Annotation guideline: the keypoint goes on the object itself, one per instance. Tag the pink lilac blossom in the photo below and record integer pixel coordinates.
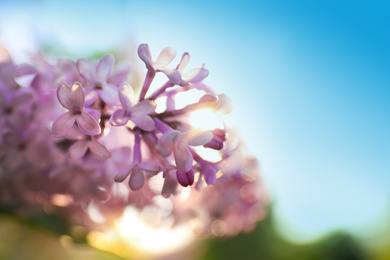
(93, 132)
(138, 113)
(97, 80)
(72, 98)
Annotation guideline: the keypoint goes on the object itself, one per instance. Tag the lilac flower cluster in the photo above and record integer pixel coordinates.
(73, 132)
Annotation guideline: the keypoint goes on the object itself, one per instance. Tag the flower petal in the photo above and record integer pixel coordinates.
(98, 149)
(88, 124)
(126, 95)
(75, 133)
(145, 56)
(90, 97)
(87, 69)
(173, 75)
(137, 179)
(150, 169)
(118, 118)
(124, 173)
(164, 145)
(144, 122)
(165, 57)
(94, 113)
(109, 94)
(144, 107)
(120, 74)
(210, 173)
(197, 137)
(170, 184)
(185, 59)
(62, 124)
(78, 149)
(183, 157)
(196, 75)
(104, 67)
(71, 98)
(216, 143)
(224, 104)
(24, 69)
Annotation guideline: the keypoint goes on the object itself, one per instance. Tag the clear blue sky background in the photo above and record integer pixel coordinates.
(310, 83)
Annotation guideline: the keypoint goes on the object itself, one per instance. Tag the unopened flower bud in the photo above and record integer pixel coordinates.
(185, 178)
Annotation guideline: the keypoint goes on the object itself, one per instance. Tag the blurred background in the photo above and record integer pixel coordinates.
(310, 88)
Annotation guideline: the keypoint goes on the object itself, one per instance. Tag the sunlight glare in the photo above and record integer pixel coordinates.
(210, 155)
(206, 119)
(142, 236)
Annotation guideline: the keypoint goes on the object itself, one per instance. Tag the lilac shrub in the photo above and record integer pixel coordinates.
(76, 139)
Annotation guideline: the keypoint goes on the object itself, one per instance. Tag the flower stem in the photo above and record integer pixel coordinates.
(188, 108)
(163, 127)
(148, 80)
(161, 90)
(137, 156)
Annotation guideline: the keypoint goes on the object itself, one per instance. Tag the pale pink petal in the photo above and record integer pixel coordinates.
(137, 179)
(170, 184)
(104, 67)
(118, 118)
(183, 157)
(66, 64)
(164, 145)
(75, 133)
(88, 124)
(216, 143)
(144, 107)
(150, 169)
(124, 173)
(145, 56)
(71, 97)
(94, 113)
(98, 149)
(62, 124)
(224, 104)
(90, 97)
(165, 57)
(185, 59)
(24, 69)
(208, 98)
(209, 173)
(204, 87)
(68, 69)
(195, 75)
(120, 74)
(87, 69)
(109, 94)
(173, 75)
(78, 149)
(126, 95)
(144, 122)
(197, 137)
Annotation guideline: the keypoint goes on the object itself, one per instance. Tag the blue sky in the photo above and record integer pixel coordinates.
(309, 80)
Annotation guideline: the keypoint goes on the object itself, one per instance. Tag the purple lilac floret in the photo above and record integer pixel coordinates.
(103, 133)
(72, 98)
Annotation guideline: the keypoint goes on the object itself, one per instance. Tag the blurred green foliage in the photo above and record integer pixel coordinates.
(45, 236)
(266, 244)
